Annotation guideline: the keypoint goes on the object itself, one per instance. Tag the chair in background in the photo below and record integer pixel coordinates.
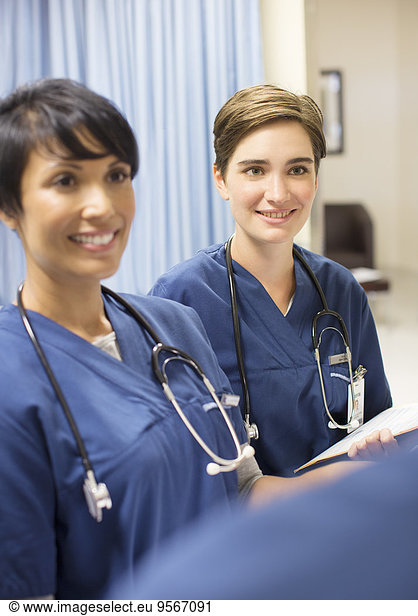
(348, 233)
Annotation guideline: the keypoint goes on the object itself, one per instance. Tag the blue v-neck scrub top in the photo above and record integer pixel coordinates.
(286, 399)
(154, 469)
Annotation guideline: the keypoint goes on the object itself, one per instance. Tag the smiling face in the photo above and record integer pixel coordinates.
(76, 216)
(270, 183)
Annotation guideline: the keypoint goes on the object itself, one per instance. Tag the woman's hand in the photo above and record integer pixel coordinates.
(378, 443)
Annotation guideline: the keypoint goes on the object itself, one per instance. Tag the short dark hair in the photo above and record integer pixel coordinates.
(255, 106)
(51, 112)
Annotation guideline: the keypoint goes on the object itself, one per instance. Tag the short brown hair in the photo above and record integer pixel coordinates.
(252, 107)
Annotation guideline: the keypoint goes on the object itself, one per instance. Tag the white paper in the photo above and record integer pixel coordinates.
(398, 419)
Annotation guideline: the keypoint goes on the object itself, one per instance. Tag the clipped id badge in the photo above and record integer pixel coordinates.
(358, 410)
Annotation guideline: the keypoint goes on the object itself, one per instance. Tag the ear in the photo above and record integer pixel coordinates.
(8, 220)
(220, 183)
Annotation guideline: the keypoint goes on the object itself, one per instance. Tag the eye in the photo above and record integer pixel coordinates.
(300, 170)
(254, 171)
(118, 176)
(64, 180)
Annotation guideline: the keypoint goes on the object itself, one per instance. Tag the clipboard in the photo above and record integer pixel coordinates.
(399, 419)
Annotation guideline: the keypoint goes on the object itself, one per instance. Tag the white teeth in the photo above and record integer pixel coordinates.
(275, 214)
(98, 240)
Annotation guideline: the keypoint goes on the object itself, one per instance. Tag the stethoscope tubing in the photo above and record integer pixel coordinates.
(237, 332)
(219, 464)
(58, 391)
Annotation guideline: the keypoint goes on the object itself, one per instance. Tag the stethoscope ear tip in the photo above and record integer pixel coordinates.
(213, 469)
(248, 451)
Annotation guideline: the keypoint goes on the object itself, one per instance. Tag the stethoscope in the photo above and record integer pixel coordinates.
(252, 429)
(97, 494)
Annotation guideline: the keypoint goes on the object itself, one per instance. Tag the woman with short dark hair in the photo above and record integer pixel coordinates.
(82, 416)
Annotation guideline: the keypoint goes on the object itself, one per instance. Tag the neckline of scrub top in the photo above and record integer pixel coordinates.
(270, 323)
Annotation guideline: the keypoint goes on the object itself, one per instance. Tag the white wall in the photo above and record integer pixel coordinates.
(283, 30)
(408, 168)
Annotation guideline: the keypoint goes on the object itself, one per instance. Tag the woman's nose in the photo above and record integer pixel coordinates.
(277, 190)
(97, 202)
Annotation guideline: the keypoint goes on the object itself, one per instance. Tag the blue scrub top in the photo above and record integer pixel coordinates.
(282, 375)
(154, 469)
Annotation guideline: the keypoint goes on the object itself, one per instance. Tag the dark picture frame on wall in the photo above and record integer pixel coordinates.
(331, 89)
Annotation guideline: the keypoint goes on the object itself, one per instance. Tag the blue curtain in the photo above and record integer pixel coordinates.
(169, 65)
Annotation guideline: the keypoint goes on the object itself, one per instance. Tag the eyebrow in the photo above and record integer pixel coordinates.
(262, 161)
(252, 161)
(64, 162)
(302, 159)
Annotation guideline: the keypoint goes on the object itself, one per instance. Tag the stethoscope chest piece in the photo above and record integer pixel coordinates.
(97, 496)
(252, 431)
